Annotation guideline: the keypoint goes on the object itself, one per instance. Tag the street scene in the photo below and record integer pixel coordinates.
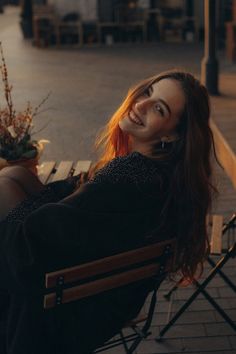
(83, 84)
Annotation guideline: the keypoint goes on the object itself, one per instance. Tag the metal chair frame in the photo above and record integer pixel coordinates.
(230, 252)
(139, 333)
(152, 262)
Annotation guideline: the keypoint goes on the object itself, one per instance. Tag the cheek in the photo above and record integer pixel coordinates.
(155, 125)
(162, 125)
(123, 123)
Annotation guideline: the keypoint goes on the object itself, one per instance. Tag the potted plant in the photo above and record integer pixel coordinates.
(16, 144)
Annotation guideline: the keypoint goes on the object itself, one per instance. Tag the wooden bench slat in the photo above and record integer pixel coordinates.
(63, 170)
(44, 170)
(82, 166)
(98, 286)
(106, 264)
(216, 234)
(224, 153)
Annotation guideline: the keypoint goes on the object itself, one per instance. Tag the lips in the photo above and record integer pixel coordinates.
(135, 118)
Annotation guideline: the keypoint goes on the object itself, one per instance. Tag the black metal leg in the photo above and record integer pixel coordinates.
(230, 224)
(124, 343)
(222, 274)
(217, 307)
(167, 296)
(178, 314)
(116, 342)
(134, 345)
(214, 271)
(144, 332)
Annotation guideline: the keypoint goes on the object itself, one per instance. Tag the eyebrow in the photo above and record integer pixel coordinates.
(162, 101)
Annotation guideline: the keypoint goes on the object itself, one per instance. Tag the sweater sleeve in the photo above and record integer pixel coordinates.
(60, 235)
(39, 244)
(97, 220)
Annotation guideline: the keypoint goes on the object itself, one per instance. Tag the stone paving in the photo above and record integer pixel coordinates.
(86, 86)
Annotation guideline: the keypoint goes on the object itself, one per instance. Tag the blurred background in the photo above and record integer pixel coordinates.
(87, 53)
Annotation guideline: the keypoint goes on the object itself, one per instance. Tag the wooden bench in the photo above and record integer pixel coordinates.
(50, 171)
(215, 227)
(225, 154)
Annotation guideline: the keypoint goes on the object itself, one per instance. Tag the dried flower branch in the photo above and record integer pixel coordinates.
(16, 128)
(36, 110)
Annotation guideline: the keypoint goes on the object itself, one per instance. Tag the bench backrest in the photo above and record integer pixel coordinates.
(49, 171)
(74, 283)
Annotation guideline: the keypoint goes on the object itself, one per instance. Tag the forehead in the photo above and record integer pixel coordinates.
(171, 92)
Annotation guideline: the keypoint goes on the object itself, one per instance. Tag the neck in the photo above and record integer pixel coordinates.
(143, 148)
(147, 151)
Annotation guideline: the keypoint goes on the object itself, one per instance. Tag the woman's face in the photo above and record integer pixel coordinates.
(154, 116)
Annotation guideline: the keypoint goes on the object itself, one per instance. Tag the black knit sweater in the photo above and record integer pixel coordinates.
(116, 211)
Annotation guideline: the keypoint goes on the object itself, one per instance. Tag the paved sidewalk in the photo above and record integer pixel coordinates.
(87, 86)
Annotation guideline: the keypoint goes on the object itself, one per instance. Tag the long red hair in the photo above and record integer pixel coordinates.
(112, 141)
(191, 188)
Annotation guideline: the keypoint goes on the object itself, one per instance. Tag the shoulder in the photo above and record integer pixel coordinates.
(133, 168)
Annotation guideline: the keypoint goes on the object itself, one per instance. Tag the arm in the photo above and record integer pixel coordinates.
(98, 220)
(61, 235)
(29, 249)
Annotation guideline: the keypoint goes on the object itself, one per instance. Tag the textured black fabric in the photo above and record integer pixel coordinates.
(114, 212)
(53, 192)
(134, 168)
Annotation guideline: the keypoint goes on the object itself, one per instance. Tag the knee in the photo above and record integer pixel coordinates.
(10, 195)
(19, 174)
(13, 171)
(24, 178)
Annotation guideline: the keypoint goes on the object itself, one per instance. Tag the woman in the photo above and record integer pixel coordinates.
(151, 183)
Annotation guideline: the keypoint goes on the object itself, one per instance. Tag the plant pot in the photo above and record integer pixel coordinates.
(30, 163)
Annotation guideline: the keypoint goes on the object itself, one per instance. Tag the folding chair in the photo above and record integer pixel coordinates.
(151, 262)
(45, 25)
(229, 252)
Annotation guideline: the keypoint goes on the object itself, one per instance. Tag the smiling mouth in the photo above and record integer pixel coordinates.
(134, 118)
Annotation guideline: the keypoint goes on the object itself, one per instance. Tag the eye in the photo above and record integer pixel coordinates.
(146, 92)
(158, 108)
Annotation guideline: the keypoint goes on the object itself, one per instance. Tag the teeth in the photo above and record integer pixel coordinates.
(135, 118)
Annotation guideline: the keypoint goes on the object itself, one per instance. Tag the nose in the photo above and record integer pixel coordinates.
(142, 105)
